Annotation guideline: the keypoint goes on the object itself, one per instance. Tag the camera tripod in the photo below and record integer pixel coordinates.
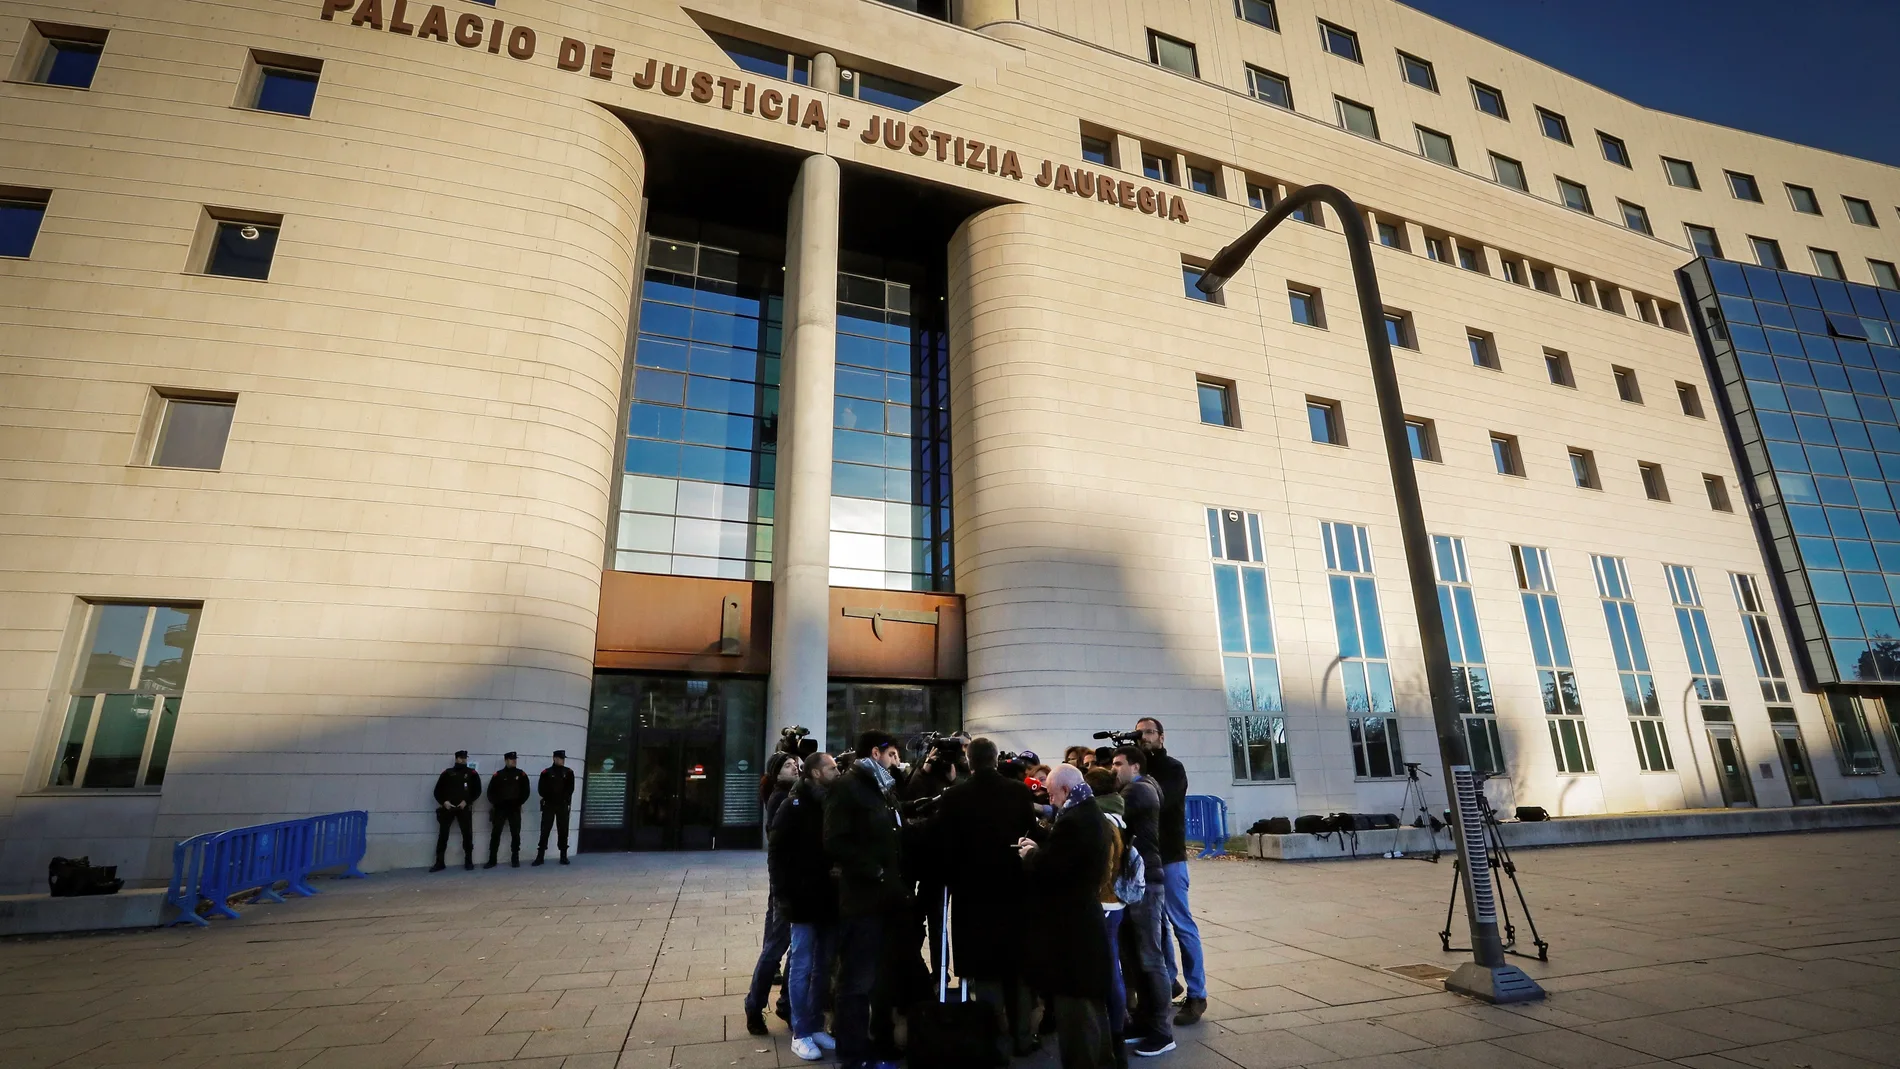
(1499, 857)
(1413, 804)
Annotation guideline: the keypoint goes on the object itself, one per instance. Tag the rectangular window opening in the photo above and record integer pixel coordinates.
(1718, 493)
(1626, 387)
(1557, 366)
(1339, 41)
(122, 708)
(281, 83)
(1259, 12)
(1654, 486)
(1583, 469)
(1273, 88)
(1743, 187)
(1357, 118)
(239, 244)
(1505, 454)
(1484, 348)
(190, 429)
(1614, 149)
(1803, 200)
(1436, 146)
(1422, 436)
(1489, 100)
(1306, 306)
(1681, 173)
(1418, 71)
(1554, 126)
(1216, 396)
(1324, 421)
(1691, 400)
(22, 211)
(56, 54)
(1173, 53)
(1509, 172)
(1398, 329)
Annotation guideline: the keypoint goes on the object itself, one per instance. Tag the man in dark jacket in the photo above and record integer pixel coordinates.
(507, 793)
(1152, 1029)
(556, 789)
(1065, 875)
(863, 837)
(978, 823)
(806, 897)
(1173, 780)
(456, 789)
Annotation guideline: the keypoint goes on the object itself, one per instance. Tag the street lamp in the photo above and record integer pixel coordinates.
(1488, 976)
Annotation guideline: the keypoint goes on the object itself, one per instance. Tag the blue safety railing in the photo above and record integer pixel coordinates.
(212, 867)
(1207, 824)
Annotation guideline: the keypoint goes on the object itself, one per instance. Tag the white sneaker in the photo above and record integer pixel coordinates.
(824, 1041)
(805, 1048)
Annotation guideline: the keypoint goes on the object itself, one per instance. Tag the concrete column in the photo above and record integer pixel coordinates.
(801, 540)
(824, 72)
(972, 14)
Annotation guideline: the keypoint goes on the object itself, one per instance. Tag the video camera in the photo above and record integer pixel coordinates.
(937, 744)
(1120, 738)
(796, 741)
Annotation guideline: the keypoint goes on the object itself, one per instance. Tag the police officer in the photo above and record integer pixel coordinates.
(507, 793)
(556, 789)
(455, 790)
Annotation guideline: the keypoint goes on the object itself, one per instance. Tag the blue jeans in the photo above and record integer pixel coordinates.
(778, 938)
(1185, 932)
(1117, 993)
(1150, 918)
(807, 974)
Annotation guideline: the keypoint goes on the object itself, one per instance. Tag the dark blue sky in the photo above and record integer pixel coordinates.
(1817, 72)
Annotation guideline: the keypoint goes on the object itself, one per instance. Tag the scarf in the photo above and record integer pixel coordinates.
(1077, 795)
(879, 773)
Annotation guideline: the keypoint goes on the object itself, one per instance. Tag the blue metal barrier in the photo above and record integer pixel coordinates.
(1207, 823)
(212, 867)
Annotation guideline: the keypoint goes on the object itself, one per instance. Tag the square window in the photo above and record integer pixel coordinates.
(1557, 366)
(1258, 12)
(191, 431)
(1435, 249)
(1646, 308)
(1339, 41)
(1509, 172)
(1357, 118)
(21, 213)
(1190, 275)
(1583, 291)
(1204, 180)
(1767, 252)
(1743, 186)
(1505, 455)
(1583, 469)
(1884, 273)
(1681, 173)
(1513, 273)
(1614, 149)
(1718, 493)
(1555, 126)
(240, 247)
(1158, 168)
(283, 84)
(1422, 437)
(1635, 216)
(1471, 259)
(1098, 150)
(1173, 53)
(1217, 403)
(1541, 280)
(1703, 240)
(1690, 399)
(1322, 419)
(1418, 71)
(1436, 146)
(1306, 306)
(1654, 487)
(1828, 264)
(65, 56)
(123, 704)
(1803, 200)
(1489, 100)
(1270, 87)
(1309, 213)
(1259, 197)
(1626, 387)
(1859, 211)
(1484, 348)
(1391, 235)
(1574, 196)
(1398, 330)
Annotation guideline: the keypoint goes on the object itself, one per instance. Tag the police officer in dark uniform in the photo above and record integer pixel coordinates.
(507, 793)
(455, 790)
(556, 789)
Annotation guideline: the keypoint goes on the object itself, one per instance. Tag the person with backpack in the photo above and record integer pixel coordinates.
(1152, 1030)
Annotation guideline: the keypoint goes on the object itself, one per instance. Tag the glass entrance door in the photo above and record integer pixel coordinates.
(1794, 765)
(1731, 770)
(675, 803)
(673, 762)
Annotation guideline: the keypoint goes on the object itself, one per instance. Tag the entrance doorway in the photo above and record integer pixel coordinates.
(1731, 770)
(675, 802)
(673, 762)
(1802, 787)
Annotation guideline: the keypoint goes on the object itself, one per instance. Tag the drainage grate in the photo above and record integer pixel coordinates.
(1424, 974)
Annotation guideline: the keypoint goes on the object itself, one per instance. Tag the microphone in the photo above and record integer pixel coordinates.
(1103, 735)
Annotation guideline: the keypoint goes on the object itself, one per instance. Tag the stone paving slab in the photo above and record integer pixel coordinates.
(1778, 952)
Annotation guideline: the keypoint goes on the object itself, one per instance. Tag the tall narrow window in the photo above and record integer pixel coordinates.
(1489, 100)
(1365, 676)
(1681, 173)
(1505, 455)
(1418, 71)
(1422, 438)
(1761, 639)
(1256, 729)
(1509, 172)
(1435, 249)
(1803, 200)
(1550, 648)
(1743, 186)
(1693, 623)
(1768, 253)
(1258, 12)
(1853, 739)
(1718, 493)
(1654, 487)
(1703, 240)
(1827, 264)
(1632, 665)
(1614, 149)
(123, 705)
(1323, 421)
(1690, 400)
(1484, 348)
(1259, 196)
(1398, 330)
(1470, 679)
(1270, 87)
(1554, 126)
(1357, 118)
(1583, 469)
(1557, 367)
(1339, 40)
(1173, 53)
(1626, 388)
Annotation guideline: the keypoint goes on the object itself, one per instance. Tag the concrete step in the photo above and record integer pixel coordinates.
(41, 914)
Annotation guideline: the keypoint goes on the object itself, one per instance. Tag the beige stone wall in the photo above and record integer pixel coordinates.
(401, 554)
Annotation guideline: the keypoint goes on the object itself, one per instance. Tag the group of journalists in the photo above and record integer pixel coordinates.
(1067, 891)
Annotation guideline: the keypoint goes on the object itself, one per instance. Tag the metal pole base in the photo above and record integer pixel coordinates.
(1498, 984)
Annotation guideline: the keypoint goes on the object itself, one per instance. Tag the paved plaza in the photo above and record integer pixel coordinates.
(1777, 952)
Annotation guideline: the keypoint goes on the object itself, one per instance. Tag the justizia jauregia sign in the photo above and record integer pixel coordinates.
(766, 101)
